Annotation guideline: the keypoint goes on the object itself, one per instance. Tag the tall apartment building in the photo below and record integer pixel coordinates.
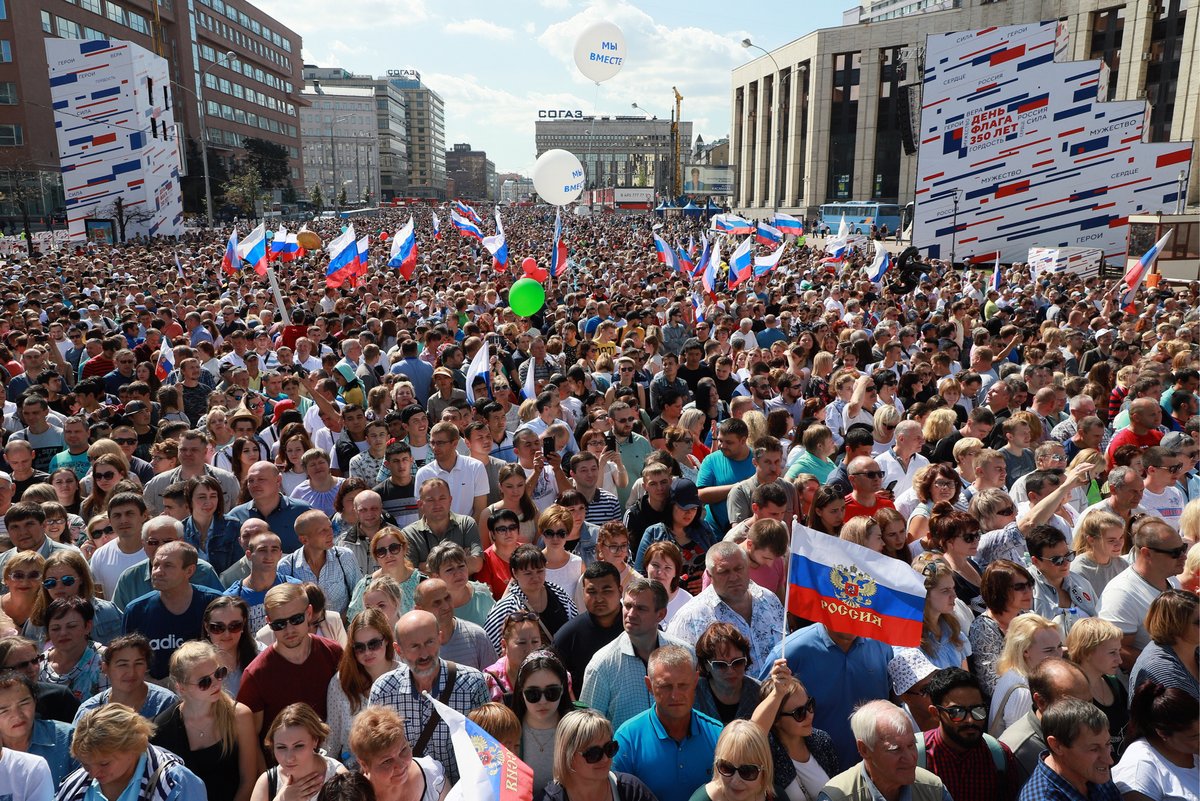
(391, 124)
(426, 135)
(340, 142)
(473, 173)
(228, 99)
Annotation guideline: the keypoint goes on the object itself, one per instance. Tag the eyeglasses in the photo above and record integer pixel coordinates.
(534, 695)
(102, 531)
(233, 627)
(18, 575)
(204, 682)
(869, 474)
(801, 712)
(67, 581)
(617, 547)
(732, 664)
(106, 475)
(749, 773)
(958, 714)
(1060, 560)
(508, 529)
(1021, 586)
(598, 752)
(373, 644)
(1174, 553)
(297, 619)
(944, 484)
(971, 537)
(555, 532)
(395, 549)
(28, 663)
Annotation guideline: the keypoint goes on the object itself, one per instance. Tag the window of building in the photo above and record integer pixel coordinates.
(91, 34)
(5, 51)
(11, 135)
(91, 5)
(47, 25)
(114, 12)
(8, 93)
(138, 23)
(3, 9)
(67, 29)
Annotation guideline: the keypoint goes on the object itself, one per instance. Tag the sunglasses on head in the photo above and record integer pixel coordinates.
(297, 619)
(233, 627)
(749, 773)
(204, 682)
(555, 532)
(534, 695)
(373, 644)
(801, 712)
(598, 752)
(394, 549)
(67, 581)
(958, 714)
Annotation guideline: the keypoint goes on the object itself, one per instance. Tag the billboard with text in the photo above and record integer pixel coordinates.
(703, 179)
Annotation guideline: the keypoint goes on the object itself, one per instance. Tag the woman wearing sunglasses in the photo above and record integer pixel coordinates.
(1007, 591)
(742, 766)
(23, 578)
(725, 691)
(385, 758)
(541, 696)
(98, 532)
(107, 470)
(562, 567)
(504, 529)
(583, 752)
(66, 575)
(370, 654)
(389, 547)
(125, 663)
(803, 757)
(956, 535)
(213, 734)
(227, 627)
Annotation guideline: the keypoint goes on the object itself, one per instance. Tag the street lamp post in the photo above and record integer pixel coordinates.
(779, 154)
(954, 230)
(228, 56)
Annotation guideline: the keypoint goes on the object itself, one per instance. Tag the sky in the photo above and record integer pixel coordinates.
(497, 63)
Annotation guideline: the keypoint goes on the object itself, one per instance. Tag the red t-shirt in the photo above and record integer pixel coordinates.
(856, 509)
(271, 682)
(1126, 437)
(495, 572)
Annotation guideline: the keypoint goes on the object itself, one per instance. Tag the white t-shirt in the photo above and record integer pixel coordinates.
(24, 776)
(467, 479)
(811, 775)
(1143, 770)
(1167, 504)
(1125, 602)
(567, 577)
(682, 596)
(1015, 703)
(109, 562)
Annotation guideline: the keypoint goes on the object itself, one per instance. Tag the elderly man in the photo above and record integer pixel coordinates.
(462, 641)
(173, 612)
(866, 482)
(418, 645)
(1079, 760)
(1126, 489)
(613, 680)
(885, 740)
(267, 502)
(901, 461)
(136, 581)
(732, 598)
(331, 567)
(1159, 554)
(670, 746)
(1082, 407)
(1051, 681)
(1049, 455)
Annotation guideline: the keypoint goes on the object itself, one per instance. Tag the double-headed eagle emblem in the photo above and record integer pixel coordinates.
(853, 587)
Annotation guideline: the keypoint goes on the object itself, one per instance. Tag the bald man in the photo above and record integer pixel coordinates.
(462, 641)
(267, 502)
(418, 645)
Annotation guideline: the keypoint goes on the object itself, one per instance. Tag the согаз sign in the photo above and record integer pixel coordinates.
(560, 114)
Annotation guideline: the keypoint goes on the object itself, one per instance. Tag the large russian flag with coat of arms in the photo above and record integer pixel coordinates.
(487, 770)
(854, 590)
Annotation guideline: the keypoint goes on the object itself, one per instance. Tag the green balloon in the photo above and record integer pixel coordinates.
(526, 297)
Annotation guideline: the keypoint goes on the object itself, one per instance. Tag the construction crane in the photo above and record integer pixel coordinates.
(676, 167)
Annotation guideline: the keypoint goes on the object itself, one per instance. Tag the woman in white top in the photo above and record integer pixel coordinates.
(1161, 760)
(1031, 639)
(562, 567)
(612, 470)
(295, 738)
(293, 444)
(369, 654)
(663, 562)
(804, 758)
(385, 758)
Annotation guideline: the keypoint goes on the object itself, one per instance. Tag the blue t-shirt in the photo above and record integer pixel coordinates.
(718, 470)
(165, 630)
(256, 600)
(671, 770)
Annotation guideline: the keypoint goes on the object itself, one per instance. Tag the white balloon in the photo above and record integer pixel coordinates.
(558, 177)
(600, 51)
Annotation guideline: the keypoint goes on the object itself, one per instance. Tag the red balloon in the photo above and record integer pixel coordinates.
(537, 273)
(528, 263)
(383, 235)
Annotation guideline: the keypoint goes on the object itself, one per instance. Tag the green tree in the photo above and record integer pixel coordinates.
(244, 190)
(341, 199)
(269, 158)
(316, 198)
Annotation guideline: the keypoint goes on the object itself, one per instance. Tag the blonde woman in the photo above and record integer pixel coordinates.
(884, 429)
(213, 734)
(938, 425)
(389, 547)
(23, 578)
(942, 637)
(864, 531)
(1095, 645)
(742, 766)
(1098, 545)
(1031, 639)
(583, 751)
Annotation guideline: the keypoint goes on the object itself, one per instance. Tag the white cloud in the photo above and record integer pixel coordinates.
(315, 19)
(529, 28)
(479, 27)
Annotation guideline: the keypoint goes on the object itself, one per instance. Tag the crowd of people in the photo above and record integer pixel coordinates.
(250, 530)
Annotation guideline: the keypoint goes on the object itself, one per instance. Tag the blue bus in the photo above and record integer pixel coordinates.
(861, 215)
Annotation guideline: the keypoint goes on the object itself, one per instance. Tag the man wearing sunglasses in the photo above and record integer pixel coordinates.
(972, 764)
(173, 612)
(866, 481)
(887, 745)
(1159, 556)
(1161, 496)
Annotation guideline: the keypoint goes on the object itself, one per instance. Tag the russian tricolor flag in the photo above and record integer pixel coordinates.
(497, 246)
(230, 262)
(854, 590)
(404, 250)
(437, 226)
(788, 224)
(995, 283)
(741, 263)
(466, 211)
(465, 226)
(1135, 276)
(697, 308)
(558, 253)
(685, 262)
(487, 770)
(767, 235)
(166, 361)
(736, 226)
(837, 249)
(343, 258)
(702, 263)
(666, 254)
(882, 263)
(708, 278)
(253, 249)
(764, 264)
(364, 254)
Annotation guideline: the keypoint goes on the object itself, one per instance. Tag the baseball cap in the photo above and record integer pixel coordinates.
(133, 407)
(1105, 332)
(281, 407)
(684, 494)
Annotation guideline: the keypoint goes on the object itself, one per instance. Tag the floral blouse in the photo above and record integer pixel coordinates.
(85, 679)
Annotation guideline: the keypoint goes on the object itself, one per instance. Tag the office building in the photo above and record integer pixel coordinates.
(845, 91)
(473, 173)
(254, 94)
(515, 188)
(426, 135)
(391, 123)
(340, 141)
(618, 151)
